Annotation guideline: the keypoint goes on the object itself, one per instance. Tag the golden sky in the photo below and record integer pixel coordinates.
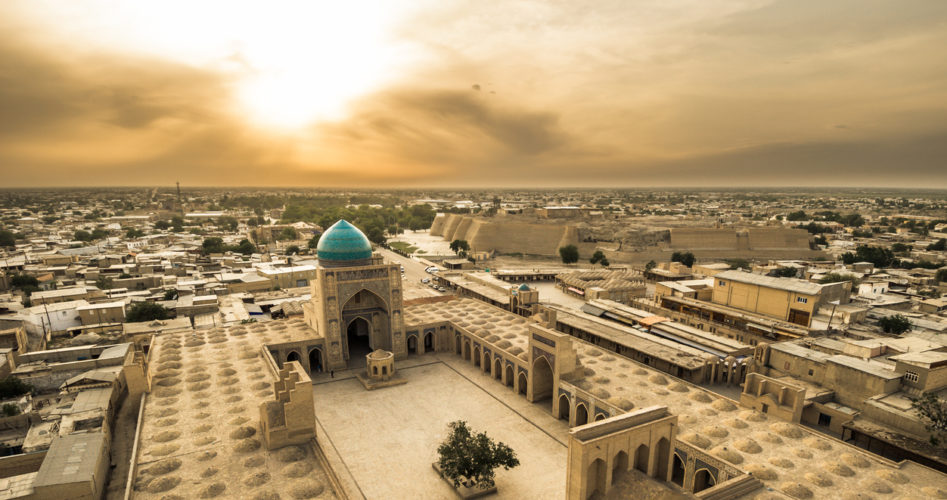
(474, 94)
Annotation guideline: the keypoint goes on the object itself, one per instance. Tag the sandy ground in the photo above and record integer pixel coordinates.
(123, 439)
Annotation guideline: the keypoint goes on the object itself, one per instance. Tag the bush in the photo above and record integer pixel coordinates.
(10, 410)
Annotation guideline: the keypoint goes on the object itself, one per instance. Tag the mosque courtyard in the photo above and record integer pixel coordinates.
(387, 438)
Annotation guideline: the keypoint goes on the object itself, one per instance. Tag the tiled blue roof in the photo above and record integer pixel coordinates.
(342, 242)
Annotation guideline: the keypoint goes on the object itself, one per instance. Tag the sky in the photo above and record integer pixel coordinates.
(378, 94)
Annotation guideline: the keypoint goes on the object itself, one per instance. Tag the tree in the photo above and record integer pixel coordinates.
(797, 216)
(177, 223)
(471, 459)
(597, 257)
(460, 247)
(212, 245)
(941, 275)
(650, 265)
(604, 262)
(227, 223)
(23, 281)
(292, 249)
(162, 225)
(569, 254)
(103, 282)
(939, 245)
(247, 248)
(11, 387)
(132, 233)
(786, 272)
(933, 411)
(146, 311)
(686, 258)
(896, 324)
(80, 235)
(288, 233)
(7, 239)
(10, 410)
(900, 248)
(99, 233)
(171, 294)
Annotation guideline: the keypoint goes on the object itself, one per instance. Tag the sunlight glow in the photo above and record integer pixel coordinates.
(290, 63)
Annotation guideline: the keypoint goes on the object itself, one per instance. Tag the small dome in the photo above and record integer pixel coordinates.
(343, 242)
(524, 287)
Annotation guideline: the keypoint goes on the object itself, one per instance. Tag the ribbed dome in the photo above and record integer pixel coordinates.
(343, 242)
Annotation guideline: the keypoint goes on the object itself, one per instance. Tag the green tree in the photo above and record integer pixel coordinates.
(569, 254)
(99, 234)
(604, 262)
(650, 265)
(900, 248)
(211, 245)
(177, 223)
(786, 272)
(171, 294)
(80, 235)
(131, 233)
(10, 410)
(933, 411)
(686, 258)
(22, 281)
(162, 225)
(7, 239)
(245, 247)
(146, 311)
(227, 223)
(896, 324)
(472, 459)
(288, 233)
(11, 387)
(597, 257)
(941, 275)
(103, 282)
(460, 247)
(797, 216)
(292, 249)
(939, 245)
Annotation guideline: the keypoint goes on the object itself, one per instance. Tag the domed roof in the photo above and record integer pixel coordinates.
(343, 242)
(524, 287)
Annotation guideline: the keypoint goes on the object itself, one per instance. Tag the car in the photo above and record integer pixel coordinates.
(425, 280)
(441, 289)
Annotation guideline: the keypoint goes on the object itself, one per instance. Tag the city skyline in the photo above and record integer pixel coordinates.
(512, 94)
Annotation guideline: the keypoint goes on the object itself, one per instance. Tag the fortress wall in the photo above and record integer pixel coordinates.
(437, 227)
(765, 237)
(664, 255)
(505, 237)
(451, 225)
(460, 233)
(703, 238)
(776, 238)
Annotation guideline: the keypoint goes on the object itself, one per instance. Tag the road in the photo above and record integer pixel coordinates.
(413, 270)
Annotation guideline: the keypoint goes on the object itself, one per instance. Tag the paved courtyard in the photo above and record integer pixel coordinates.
(388, 438)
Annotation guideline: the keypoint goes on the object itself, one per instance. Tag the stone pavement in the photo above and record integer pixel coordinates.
(386, 439)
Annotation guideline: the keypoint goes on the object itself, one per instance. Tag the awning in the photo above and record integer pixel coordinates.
(576, 290)
(594, 311)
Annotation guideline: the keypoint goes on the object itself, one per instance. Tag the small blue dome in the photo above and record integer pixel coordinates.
(524, 287)
(343, 242)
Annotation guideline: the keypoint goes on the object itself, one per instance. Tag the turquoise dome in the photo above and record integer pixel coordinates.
(343, 242)
(524, 287)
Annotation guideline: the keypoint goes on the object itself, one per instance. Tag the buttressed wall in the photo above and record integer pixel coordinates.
(486, 235)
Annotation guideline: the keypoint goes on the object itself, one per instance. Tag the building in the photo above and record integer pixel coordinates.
(787, 299)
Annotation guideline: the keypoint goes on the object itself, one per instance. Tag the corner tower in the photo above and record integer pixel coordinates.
(356, 299)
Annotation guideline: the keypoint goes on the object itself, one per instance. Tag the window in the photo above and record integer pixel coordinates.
(786, 366)
(721, 283)
(803, 300)
(910, 376)
(764, 408)
(810, 373)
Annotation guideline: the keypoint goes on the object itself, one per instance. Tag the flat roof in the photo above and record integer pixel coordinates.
(71, 459)
(789, 284)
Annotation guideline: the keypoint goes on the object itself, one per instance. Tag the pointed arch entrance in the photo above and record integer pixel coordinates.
(367, 324)
(509, 376)
(564, 408)
(315, 360)
(497, 368)
(641, 458)
(542, 381)
(358, 338)
(428, 342)
(581, 414)
(292, 356)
